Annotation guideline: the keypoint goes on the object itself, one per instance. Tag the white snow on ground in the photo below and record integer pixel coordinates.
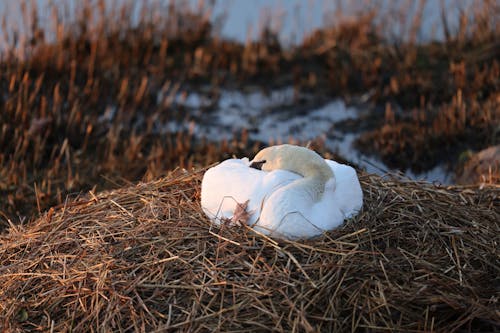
(273, 118)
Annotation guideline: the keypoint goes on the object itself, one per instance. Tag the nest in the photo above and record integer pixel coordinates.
(145, 258)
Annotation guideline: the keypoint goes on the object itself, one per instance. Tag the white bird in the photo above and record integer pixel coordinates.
(288, 191)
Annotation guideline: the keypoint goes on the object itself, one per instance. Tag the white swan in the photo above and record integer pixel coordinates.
(291, 192)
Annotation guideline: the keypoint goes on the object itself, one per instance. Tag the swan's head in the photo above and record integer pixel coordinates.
(300, 160)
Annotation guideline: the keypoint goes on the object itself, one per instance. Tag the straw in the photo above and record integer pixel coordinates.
(145, 258)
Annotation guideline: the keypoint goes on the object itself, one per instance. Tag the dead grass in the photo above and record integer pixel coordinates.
(423, 138)
(145, 258)
(85, 90)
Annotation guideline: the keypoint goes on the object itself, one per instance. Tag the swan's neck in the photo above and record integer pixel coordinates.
(315, 178)
(319, 171)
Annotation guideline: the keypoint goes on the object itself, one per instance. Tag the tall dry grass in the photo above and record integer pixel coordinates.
(81, 105)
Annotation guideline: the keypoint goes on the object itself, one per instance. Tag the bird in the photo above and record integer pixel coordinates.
(286, 192)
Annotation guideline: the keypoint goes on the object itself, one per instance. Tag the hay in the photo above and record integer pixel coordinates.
(145, 258)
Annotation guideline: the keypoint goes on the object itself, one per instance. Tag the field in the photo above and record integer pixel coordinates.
(85, 99)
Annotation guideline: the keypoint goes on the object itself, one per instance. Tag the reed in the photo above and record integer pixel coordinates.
(84, 89)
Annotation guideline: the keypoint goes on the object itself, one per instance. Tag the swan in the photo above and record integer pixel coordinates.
(286, 191)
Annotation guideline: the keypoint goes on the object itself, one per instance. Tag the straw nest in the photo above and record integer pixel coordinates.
(145, 258)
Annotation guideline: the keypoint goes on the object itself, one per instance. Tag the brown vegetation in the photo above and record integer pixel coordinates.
(79, 103)
(480, 168)
(79, 108)
(145, 258)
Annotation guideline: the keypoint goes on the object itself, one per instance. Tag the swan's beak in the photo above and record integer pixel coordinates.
(257, 164)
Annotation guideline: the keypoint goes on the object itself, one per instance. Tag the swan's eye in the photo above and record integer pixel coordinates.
(257, 164)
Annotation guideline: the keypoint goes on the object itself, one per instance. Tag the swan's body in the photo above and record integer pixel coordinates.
(297, 194)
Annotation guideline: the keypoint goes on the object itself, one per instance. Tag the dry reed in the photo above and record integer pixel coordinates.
(418, 258)
(87, 89)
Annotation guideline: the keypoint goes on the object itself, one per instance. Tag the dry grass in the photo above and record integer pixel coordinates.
(145, 258)
(423, 138)
(80, 90)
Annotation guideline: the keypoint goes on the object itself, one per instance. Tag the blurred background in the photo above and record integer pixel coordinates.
(96, 94)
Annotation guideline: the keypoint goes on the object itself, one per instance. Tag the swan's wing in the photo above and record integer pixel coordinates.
(348, 195)
(225, 185)
(232, 182)
(289, 213)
